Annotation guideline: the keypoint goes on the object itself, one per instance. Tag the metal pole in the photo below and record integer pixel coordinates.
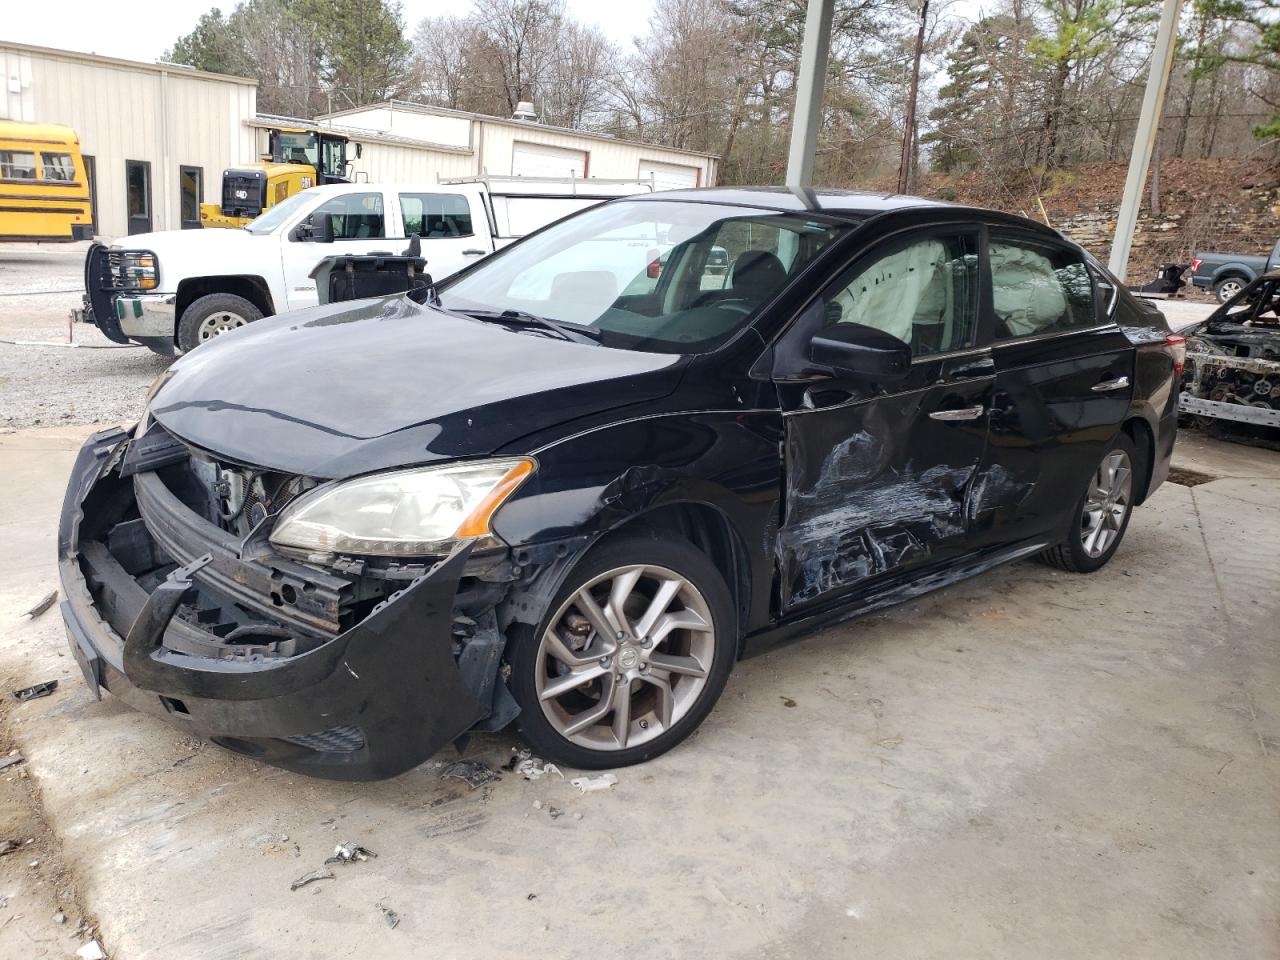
(1144, 137)
(806, 119)
(909, 124)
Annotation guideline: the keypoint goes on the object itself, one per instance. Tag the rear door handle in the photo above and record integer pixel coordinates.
(1119, 383)
(964, 413)
(473, 253)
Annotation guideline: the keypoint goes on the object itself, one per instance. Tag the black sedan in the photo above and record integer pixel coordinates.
(568, 491)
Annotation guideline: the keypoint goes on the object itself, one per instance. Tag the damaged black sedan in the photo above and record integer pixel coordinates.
(573, 485)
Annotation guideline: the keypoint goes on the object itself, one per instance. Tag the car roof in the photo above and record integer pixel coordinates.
(853, 204)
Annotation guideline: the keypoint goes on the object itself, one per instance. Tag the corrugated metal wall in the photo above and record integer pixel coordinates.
(394, 163)
(121, 112)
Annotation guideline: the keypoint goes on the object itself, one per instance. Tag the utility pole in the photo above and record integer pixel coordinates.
(806, 118)
(909, 126)
(1144, 137)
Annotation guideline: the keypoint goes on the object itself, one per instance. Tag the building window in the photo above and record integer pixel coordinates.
(191, 188)
(17, 165)
(58, 166)
(137, 178)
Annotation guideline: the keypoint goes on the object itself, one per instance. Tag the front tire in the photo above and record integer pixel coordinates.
(1102, 515)
(630, 657)
(211, 316)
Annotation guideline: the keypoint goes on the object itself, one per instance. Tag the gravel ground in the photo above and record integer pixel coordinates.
(95, 382)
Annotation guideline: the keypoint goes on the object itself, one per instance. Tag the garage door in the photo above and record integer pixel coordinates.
(670, 176)
(540, 160)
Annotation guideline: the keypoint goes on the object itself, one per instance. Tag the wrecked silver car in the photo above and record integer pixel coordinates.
(1233, 358)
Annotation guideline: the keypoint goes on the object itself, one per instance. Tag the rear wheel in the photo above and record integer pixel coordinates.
(1227, 287)
(633, 653)
(213, 315)
(1102, 515)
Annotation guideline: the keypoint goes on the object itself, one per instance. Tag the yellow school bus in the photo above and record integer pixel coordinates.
(44, 191)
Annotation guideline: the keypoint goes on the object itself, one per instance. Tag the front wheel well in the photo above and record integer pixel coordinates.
(1144, 441)
(709, 531)
(254, 289)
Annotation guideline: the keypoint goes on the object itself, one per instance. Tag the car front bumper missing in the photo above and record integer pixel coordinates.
(361, 703)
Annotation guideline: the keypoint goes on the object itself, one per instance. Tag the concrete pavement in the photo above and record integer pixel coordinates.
(1027, 764)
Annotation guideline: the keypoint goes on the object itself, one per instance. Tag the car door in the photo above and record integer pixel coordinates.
(877, 476)
(1063, 386)
(360, 225)
(453, 227)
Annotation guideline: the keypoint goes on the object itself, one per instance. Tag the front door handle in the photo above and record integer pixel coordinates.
(1119, 383)
(964, 413)
(473, 253)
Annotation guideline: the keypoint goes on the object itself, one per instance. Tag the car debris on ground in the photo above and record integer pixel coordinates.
(592, 784)
(473, 774)
(312, 877)
(391, 918)
(11, 759)
(35, 691)
(345, 853)
(43, 604)
(530, 767)
(92, 950)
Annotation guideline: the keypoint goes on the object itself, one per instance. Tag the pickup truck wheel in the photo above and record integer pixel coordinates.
(1227, 287)
(212, 315)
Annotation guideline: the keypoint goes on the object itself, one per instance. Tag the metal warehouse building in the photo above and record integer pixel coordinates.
(451, 143)
(156, 137)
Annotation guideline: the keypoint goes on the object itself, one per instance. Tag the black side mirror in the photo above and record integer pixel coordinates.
(860, 351)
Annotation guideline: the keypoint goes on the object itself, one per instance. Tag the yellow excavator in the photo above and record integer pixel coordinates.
(299, 157)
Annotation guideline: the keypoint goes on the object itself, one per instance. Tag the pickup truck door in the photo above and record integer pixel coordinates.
(362, 223)
(452, 223)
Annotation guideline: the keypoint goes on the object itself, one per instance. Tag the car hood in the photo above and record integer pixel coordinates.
(347, 388)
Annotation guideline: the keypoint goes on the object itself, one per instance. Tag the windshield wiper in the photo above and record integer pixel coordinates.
(520, 318)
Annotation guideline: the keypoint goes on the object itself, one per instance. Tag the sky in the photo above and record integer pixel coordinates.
(94, 27)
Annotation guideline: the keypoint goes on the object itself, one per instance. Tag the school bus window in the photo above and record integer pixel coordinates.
(58, 166)
(17, 165)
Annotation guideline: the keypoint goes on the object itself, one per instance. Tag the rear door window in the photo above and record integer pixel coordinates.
(436, 215)
(1038, 287)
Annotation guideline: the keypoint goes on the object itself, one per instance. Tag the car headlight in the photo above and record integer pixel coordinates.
(403, 513)
(139, 270)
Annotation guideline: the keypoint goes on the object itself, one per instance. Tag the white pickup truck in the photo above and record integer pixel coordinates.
(172, 290)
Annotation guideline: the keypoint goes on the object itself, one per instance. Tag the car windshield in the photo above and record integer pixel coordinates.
(278, 214)
(648, 275)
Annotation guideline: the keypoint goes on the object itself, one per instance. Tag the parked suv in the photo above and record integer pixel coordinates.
(570, 494)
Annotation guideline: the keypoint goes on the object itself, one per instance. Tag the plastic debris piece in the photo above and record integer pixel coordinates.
(11, 759)
(59, 918)
(312, 877)
(530, 767)
(391, 918)
(592, 784)
(43, 604)
(472, 774)
(7, 846)
(350, 853)
(35, 691)
(91, 950)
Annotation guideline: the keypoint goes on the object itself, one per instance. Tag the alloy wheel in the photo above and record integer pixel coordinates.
(1107, 503)
(1228, 289)
(625, 657)
(219, 322)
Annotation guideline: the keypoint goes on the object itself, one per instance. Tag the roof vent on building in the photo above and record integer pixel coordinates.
(524, 111)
